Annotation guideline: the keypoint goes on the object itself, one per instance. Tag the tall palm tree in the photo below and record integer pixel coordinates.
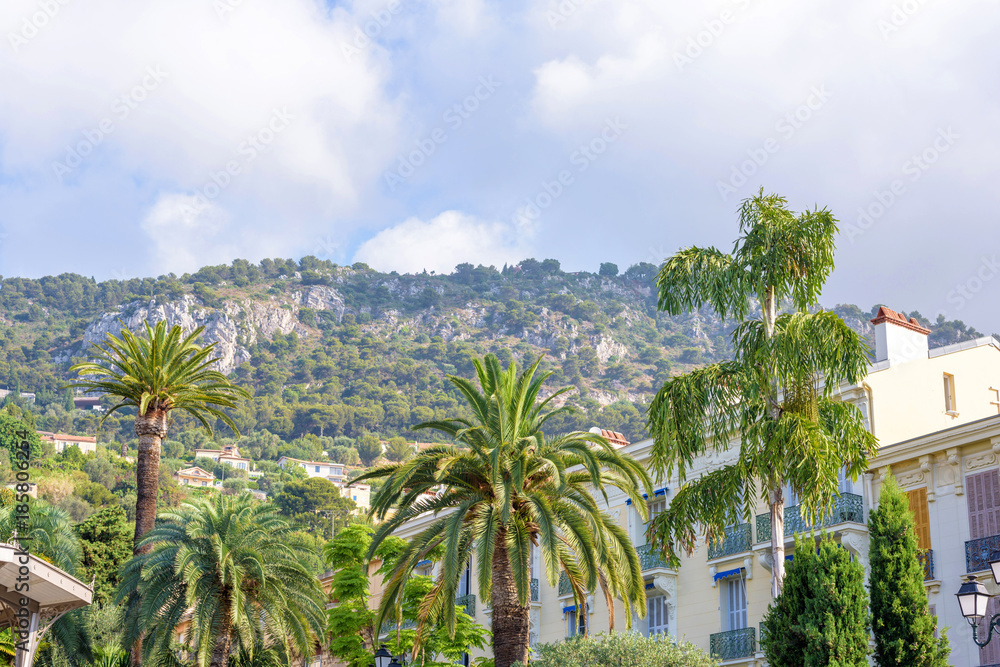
(775, 400)
(231, 561)
(507, 487)
(156, 373)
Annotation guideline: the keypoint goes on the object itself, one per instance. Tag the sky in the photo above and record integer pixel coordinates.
(140, 139)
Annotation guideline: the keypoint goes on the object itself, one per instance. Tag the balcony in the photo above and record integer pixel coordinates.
(535, 594)
(978, 553)
(734, 644)
(847, 508)
(467, 601)
(926, 559)
(564, 585)
(649, 558)
(736, 540)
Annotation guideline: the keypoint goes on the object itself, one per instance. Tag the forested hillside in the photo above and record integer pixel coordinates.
(332, 352)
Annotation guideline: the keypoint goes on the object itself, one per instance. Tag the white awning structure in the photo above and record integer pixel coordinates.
(34, 594)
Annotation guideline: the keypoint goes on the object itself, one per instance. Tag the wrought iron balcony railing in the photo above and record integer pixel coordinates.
(535, 593)
(926, 559)
(467, 601)
(649, 558)
(736, 540)
(733, 644)
(564, 586)
(978, 553)
(847, 508)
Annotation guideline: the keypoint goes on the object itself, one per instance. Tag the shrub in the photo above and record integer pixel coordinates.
(627, 649)
(901, 622)
(821, 616)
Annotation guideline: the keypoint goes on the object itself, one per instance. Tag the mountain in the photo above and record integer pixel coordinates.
(340, 352)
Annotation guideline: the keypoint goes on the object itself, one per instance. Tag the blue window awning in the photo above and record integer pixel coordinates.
(567, 610)
(658, 492)
(728, 573)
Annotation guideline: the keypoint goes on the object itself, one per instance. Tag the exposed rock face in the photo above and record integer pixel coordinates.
(321, 297)
(231, 328)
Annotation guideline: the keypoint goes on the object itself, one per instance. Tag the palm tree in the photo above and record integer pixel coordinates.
(775, 396)
(157, 373)
(231, 562)
(507, 487)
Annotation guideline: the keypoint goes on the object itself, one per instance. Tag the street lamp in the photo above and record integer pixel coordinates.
(383, 657)
(973, 600)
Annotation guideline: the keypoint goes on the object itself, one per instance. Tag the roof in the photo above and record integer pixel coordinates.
(891, 316)
(614, 438)
(311, 463)
(195, 471)
(49, 435)
(48, 587)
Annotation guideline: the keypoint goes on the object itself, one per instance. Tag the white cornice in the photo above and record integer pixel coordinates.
(957, 436)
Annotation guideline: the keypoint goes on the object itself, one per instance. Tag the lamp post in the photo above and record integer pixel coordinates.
(973, 600)
(385, 659)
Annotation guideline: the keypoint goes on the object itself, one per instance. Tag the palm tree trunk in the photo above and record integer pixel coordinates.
(151, 428)
(223, 645)
(510, 619)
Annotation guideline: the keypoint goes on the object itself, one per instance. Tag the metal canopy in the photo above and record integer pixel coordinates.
(49, 594)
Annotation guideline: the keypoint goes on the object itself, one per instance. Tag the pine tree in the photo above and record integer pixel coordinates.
(901, 620)
(820, 619)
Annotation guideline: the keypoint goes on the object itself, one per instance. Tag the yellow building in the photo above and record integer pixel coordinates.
(936, 414)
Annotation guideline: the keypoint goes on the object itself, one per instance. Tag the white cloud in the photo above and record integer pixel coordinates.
(445, 241)
(80, 106)
(188, 232)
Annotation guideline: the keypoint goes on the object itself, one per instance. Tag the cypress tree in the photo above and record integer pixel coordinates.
(901, 620)
(820, 619)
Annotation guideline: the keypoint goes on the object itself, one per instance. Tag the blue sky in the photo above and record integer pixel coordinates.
(144, 138)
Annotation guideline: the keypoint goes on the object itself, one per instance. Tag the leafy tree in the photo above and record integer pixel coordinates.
(608, 269)
(369, 448)
(155, 374)
(398, 449)
(901, 622)
(620, 649)
(230, 560)
(311, 495)
(106, 544)
(505, 482)
(776, 395)
(13, 431)
(820, 619)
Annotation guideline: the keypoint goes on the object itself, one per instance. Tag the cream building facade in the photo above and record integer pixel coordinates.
(936, 414)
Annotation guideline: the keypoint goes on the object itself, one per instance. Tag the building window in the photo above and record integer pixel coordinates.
(576, 624)
(656, 616)
(950, 404)
(317, 468)
(734, 603)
